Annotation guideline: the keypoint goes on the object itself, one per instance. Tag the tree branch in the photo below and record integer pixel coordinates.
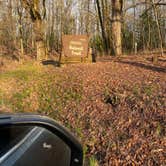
(143, 3)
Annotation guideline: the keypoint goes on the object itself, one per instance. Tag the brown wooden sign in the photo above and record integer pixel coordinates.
(75, 45)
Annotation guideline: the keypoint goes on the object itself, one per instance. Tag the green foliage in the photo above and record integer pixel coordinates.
(17, 100)
(39, 88)
(127, 39)
(45, 97)
(160, 130)
(79, 132)
(23, 73)
(97, 43)
(136, 90)
(148, 90)
(147, 21)
(2, 100)
(93, 162)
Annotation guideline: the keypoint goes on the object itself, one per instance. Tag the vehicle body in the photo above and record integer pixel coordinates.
(30, 140)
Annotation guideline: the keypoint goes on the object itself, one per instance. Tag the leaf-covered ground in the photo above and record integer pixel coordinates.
(116, 107)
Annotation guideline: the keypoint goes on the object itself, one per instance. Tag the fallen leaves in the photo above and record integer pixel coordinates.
(116, 109)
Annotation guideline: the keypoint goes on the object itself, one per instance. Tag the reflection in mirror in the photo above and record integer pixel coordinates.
(32, 146)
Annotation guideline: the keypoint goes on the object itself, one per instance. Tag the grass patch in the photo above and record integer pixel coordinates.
(33, 88)
(24, 73)
(18, 100)
(2, 99)
(148, 90)
(136, 90)
(79, 132)
(93, 162)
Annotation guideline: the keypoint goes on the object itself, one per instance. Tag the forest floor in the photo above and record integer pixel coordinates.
(117, 108)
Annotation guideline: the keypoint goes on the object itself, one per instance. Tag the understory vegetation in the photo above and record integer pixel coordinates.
(116, 108)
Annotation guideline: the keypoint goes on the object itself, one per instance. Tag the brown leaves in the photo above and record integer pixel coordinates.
(116, 109)
(118, 112)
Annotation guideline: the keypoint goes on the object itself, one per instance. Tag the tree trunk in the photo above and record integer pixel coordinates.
(37, 11)
(40, 44)
(102, 27)
(22, 47)
(134, 29)
(117, 6)
(155, 58)
(21, 37)
(149, 26)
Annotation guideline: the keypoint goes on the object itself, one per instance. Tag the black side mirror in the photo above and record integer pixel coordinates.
(34, 140)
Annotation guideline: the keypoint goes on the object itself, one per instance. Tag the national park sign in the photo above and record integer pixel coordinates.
(75, 46)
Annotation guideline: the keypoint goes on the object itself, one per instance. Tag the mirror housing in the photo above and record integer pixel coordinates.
(50, 125)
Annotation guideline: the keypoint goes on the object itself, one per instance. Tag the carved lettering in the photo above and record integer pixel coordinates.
(75, 45)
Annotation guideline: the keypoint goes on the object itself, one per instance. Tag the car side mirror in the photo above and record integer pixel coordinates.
(34, 140)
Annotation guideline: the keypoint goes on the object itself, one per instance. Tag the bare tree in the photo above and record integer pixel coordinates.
(102, 25)
(20, 21)
(37, 18)
(155, 59)
(27, 29)
(117, 8)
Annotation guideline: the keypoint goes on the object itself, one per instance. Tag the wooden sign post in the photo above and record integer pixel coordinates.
(75, 48)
